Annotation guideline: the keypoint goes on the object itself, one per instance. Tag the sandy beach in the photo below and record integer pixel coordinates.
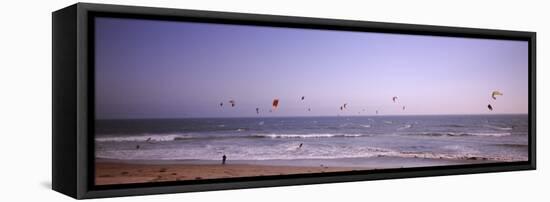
(126, 173)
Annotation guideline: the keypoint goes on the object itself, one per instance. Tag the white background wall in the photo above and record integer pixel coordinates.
(25, 100)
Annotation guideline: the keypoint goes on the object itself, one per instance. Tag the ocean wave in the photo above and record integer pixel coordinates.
(497, 127)
(143, 138)
(513, 145)
(459, 156)
(454, 126)
(486, 134)
(453, 134)
(309, 135)
(184, 137)
(292, 151)
(188, 137)
(407, 126)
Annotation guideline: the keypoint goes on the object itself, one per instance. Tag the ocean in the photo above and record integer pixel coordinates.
(398, 141)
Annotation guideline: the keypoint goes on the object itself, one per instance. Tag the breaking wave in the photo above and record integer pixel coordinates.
(498, 127)
(309, 135)
(451, 134)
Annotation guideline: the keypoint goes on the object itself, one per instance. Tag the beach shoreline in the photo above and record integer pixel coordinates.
(110, 172)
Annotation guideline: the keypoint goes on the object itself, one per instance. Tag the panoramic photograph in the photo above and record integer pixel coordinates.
(190, 101)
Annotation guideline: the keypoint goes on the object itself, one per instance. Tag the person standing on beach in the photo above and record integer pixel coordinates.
(223, 159)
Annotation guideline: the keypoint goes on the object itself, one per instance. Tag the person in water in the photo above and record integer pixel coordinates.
(301, 144)
(223, 159)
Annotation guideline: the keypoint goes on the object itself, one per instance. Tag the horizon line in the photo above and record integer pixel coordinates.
(321, 116)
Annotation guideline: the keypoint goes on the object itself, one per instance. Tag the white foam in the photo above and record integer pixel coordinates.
(143, 138)
(487, 134)
(289, 151)
(309, 135)
(458, 134)
(491, 134)
(497, 127)
(284, 151)
(405, 127)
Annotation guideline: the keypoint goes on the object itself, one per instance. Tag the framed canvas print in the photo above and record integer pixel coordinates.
(154, 100)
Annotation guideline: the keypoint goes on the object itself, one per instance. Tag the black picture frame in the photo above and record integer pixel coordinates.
(73, 100)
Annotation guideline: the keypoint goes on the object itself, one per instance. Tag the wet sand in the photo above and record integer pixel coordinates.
(126, 173)
(110, 171)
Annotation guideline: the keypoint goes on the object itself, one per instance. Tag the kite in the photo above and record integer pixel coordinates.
(490, 107)
(275, 103)
(394, 98)
(341, 108)
(221, 104)
(345, 105)
(403, 107)
(232, 102)
(495, 93)
(257, 110)
(303, 97)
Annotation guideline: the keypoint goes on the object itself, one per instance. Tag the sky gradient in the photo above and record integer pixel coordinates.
(164, 69)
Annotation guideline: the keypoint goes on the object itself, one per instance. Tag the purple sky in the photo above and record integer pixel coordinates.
(161, 69)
